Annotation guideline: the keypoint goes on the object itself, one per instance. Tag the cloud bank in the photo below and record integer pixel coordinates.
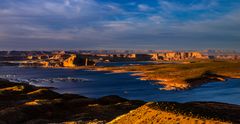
(113, 24)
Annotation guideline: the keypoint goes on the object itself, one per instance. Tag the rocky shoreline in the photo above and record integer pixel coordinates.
(169, 74)
(180, 76)
(24, 103)
(167, 83)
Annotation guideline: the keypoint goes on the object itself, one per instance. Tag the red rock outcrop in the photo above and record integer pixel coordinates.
(69, 62)
(182, 56)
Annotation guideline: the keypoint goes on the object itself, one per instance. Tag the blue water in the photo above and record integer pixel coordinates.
(96, 84)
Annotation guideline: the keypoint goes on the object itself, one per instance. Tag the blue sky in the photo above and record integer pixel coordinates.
(119, 24)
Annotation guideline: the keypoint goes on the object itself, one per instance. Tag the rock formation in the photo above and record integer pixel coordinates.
(131, 56)
(24, 103)
(56, 60)
(69, 62)
(182, 56)
(71, 59)
(154, 57)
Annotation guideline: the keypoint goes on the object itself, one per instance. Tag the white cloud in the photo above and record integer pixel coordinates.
(117, 26)
(202, 5)
(156, 19)
(67, 2)
(87, 22)
(143, 7)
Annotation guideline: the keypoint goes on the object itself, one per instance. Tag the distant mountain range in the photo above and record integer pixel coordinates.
(205, 52)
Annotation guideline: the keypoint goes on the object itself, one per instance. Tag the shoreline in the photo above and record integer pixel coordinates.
(175, 80)
(168, 83)
(47, 106)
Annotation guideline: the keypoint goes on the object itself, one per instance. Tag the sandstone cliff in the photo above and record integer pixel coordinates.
(69, 62)
(57, 60)
(182, 56)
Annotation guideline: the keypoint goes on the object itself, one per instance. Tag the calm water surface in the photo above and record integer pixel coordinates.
(96, 84)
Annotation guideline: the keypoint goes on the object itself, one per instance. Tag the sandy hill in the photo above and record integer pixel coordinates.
(177, 113)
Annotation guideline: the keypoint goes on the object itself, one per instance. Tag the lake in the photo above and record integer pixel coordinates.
(97, 84)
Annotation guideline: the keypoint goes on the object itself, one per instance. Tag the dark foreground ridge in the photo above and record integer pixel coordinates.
(24, 103)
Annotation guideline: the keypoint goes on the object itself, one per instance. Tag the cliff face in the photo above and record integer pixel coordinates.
(154, 57)
(71, 59)
(182, 56)
(196, 55)
(69, 62)
(57, 60)
(68, 59)
(167, 56)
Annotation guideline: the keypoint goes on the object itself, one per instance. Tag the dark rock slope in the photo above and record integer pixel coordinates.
(23, 103)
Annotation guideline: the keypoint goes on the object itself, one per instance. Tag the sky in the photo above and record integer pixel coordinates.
(119, 24)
